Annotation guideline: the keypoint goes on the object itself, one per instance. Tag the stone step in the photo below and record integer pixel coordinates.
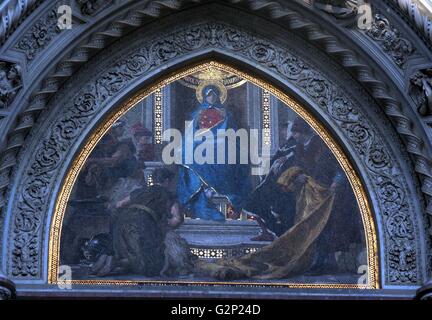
(229, 234)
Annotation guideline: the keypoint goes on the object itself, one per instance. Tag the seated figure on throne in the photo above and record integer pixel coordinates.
(198, 183)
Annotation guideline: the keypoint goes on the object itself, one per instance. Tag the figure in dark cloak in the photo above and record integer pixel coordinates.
(275, 208)
(140, 224)
(344, 225)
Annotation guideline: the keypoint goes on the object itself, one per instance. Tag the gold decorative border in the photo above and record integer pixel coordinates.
(158, 116)
(356, 184)
(266, 114)
(289, 285)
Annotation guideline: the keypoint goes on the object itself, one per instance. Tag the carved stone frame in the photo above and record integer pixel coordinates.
(333, 97)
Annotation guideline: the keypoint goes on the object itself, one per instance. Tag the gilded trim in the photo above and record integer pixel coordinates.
(266, 116)
(77, 164)
(158, 116)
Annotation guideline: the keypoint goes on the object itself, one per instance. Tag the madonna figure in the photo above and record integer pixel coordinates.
(198, 184)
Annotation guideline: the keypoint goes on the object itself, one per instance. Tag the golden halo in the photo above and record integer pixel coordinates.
(218, 84)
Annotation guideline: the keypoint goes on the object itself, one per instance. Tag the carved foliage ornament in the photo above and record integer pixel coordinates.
(12, 14)
(390, 40)
(401, 258)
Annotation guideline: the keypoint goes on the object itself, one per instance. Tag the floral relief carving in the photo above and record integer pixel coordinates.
(378, 157)
(39, 35)
(390, 39)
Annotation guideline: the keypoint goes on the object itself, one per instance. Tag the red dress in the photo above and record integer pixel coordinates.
(210, 118)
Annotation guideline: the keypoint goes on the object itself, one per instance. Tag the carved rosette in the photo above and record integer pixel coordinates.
(401, 257)
(39, 35)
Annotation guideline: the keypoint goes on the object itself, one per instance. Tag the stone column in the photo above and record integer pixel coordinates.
(7, 288)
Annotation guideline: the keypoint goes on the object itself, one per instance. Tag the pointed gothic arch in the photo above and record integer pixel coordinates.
(333, 98)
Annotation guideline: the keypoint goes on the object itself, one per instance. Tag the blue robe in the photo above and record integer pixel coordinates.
(230, 180)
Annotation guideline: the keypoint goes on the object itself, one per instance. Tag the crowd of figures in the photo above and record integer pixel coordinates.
(305, 206)
(142, 216)
(115, 165)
